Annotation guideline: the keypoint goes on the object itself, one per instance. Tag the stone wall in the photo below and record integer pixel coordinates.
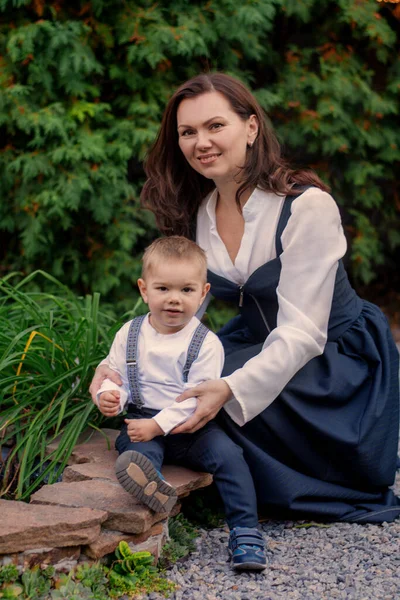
(85, 516)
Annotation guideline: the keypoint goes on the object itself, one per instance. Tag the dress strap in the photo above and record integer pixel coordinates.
(285, 214)
(194, 348)
(131, 360)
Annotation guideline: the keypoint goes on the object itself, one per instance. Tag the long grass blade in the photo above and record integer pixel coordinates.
(50, 343)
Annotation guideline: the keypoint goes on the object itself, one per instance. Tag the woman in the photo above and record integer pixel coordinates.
(310, 382)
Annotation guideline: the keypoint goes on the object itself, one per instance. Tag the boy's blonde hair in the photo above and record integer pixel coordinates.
(174, 247)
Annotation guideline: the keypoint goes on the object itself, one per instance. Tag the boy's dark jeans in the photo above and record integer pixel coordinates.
(208, 449)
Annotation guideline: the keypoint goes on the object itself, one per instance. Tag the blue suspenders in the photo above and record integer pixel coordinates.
(131, 361)
(132, 354)
(194, 348)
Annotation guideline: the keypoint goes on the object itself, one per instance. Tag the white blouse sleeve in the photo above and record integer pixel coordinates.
(208, 365)
(313, 242)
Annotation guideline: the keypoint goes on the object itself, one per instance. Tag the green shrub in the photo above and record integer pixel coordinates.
(83, 87)
(181, 543)
(50, 344)
(130, 573)
(204, 508)
(87, 582)
(8, 574)
(134, 572)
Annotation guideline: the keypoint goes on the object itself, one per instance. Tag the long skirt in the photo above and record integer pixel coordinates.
(326, 448)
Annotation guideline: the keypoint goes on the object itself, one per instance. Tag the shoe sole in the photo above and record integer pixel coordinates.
(137, 475)
(249, 567)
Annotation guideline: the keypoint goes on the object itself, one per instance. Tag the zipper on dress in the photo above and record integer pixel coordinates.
(264, 318)
(240, 296)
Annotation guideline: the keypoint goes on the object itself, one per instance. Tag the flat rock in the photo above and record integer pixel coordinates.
(86, 471)
(124, 512)
(109, 540)
(25, 526)
(94, 456)
(151, 545)
(92, 446)
(41, 556)
(47, 556)
(184, 480)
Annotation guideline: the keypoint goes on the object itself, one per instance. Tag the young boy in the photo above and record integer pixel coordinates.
(157, 357)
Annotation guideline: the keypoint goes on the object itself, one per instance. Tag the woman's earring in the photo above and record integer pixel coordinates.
(250, 144)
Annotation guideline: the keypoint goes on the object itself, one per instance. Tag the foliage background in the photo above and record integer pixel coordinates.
(84, 84)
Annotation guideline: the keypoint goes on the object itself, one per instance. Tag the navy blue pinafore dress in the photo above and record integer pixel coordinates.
(326, 448)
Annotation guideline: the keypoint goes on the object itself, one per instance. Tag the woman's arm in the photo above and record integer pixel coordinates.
(207, 366)
(313, 242)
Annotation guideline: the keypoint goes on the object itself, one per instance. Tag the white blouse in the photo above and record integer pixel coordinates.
(313, 242)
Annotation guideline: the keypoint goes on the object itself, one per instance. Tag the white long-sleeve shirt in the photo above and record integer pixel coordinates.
(313, 242)
(161, 358)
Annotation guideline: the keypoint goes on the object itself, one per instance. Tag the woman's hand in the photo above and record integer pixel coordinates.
(211, 396)
(102, 372)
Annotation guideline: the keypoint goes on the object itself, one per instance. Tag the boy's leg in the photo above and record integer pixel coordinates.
(210, 449)
(153, 450)
(138, 471)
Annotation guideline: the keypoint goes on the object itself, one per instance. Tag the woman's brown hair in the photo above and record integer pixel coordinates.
(173, 190)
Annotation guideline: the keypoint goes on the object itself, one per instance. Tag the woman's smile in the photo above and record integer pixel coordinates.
(209, 158)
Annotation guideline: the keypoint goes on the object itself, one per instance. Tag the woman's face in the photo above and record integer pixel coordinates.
(212, 137)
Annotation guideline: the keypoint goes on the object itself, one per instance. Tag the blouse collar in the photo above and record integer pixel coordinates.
(250, 209)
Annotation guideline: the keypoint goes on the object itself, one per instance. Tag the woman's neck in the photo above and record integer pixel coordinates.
(227, 194)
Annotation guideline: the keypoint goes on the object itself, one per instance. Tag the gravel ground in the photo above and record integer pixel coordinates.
(337, 561)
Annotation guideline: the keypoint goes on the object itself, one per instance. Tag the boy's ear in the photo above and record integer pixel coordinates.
(206, 289)
(142, 289)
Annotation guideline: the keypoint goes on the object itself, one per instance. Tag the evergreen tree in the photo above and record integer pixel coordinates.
(84, 84)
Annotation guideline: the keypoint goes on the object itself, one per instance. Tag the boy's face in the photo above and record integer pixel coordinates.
(174, 290)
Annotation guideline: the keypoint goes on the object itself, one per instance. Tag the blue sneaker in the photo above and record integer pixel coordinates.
(137, 475)
(246, 547)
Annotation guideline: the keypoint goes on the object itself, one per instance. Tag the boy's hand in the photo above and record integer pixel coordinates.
(109, 403)
(142, 430)
(102, 372)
